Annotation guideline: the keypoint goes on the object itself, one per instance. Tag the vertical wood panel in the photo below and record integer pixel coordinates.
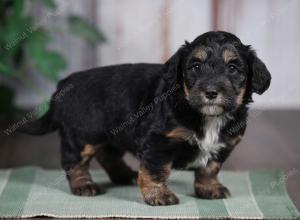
(188, 20)
(165, 30)
(133, 30)
(74, 48)
(150, 31)
(90, 51)
(215, 14)
(272, 27)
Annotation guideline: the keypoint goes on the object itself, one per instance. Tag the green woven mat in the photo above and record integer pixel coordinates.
(30, 191)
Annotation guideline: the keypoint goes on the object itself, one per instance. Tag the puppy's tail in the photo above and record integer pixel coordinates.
(40, 126)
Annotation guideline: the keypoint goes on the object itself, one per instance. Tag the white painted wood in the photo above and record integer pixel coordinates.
(135, 33)
(188, 20)
(272, 27)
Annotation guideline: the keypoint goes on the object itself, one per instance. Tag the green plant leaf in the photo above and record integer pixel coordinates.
(15, 32)
(82, 28)
(48, 3)
(18, 7)
(5, 69)
(49, 63)
(38, 41)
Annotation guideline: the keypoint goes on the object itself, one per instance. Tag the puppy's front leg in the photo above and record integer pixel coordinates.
(153, 186)
(206, 183)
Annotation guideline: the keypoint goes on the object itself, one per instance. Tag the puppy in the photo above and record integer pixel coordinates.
(187, 113)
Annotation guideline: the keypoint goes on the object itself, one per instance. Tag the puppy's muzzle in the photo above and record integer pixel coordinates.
(211, 101)
(211, 94)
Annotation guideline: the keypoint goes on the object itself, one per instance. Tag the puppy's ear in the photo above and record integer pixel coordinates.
(173, 67)
(261, 77)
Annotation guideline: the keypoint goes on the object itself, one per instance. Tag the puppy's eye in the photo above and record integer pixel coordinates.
(195, 67)
(232, 68)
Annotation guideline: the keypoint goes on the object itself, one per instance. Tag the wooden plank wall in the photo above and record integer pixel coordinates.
(151, 30)
(273, 28)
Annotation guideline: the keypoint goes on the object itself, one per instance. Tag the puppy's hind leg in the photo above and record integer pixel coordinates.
(111, 159)
(75, 161)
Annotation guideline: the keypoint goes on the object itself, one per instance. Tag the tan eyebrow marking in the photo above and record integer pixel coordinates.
(201, 54)
(228, 55)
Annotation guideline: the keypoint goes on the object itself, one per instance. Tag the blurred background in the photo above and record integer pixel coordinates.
(43, 41)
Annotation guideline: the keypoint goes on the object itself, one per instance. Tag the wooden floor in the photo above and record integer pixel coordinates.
(272, 141)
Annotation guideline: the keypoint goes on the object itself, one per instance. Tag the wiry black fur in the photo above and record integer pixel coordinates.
(103, 99)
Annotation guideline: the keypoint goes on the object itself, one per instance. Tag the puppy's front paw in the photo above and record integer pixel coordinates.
(211, 191)
(86, 189)
(158, 196)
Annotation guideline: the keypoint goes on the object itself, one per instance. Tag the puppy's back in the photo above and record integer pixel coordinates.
(105, 95)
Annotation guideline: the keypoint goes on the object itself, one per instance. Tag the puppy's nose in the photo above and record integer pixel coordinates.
(211, 94)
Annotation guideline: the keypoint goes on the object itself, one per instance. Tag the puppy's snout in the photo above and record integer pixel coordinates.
(211, 94)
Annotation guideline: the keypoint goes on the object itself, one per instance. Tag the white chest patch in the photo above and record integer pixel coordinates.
(209, 144)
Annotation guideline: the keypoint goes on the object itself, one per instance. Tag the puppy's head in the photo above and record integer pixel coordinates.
(218, 73)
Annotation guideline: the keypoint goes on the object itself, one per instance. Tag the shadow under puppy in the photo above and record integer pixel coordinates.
(187, 113)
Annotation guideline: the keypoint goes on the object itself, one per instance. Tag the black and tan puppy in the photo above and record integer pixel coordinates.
(187, 113)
